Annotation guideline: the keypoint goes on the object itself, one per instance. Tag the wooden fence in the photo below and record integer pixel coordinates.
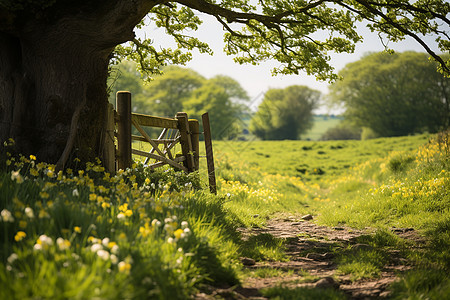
(178, 130)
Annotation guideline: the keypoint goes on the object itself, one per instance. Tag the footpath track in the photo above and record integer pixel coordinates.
(311, 263)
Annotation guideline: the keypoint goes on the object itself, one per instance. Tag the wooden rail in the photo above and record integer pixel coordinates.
(184, 132)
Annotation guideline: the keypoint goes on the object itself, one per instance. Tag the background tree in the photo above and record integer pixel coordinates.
(55, 53)
(394, 94)
(216, 97)
(182, 89)
(343, 131)
(285, 113)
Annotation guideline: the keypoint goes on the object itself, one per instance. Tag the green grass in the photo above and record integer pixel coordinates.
(310, 160)
(382, 183)
(86, 234)
(321, 124)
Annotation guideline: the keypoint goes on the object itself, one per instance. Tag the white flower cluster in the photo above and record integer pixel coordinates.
(6, 216)
(105, 249)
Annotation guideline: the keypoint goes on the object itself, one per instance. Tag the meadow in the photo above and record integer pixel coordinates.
(140, 234)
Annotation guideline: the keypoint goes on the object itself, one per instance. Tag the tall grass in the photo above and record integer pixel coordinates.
(86, 234)
(142, 234)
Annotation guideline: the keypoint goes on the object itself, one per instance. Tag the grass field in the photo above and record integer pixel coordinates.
(86, 234)
(311, 160)
(321, 124)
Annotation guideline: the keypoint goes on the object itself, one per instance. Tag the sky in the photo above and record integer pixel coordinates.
(257, 79)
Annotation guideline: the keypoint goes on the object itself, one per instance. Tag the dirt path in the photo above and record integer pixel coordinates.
(312, 264)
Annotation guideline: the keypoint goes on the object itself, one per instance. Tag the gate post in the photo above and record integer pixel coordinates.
(209, 153)
(194, 128)
(123, 104)
(185, 140)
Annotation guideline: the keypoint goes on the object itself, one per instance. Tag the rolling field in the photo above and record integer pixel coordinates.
(379, 215)
(321, 124)
(311, 160)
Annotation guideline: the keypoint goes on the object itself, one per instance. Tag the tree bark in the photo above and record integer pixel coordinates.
(51, 69)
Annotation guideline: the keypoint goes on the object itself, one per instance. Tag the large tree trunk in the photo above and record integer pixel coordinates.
(53, 80)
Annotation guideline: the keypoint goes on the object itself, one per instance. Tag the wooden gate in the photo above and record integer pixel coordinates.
(177, 130)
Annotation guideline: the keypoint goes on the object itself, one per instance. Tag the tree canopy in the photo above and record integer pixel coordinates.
(394, 94)
(181, 89)
(285, 113)
(55, 54)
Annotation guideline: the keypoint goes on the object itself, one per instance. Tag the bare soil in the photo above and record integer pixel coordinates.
(311, 263)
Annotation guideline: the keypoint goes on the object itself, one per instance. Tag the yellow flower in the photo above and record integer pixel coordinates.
(20, 235)
(44, 195)
(63, 244)
(178, 233)
(105, 205)
(77, 229)
(147, 181)
(34, 172)
(124, 267)
(92, 197)
(32, 157)
(50, 173)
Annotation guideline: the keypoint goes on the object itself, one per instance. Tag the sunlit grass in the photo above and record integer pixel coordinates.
(141, 234)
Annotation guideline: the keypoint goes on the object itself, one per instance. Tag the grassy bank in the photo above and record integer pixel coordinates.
(380, 184)
(141, 234)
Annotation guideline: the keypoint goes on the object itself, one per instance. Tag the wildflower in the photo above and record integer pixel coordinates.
(50, 173)
(20, 235)
(6, 216)
(43, 242)
(115, 249)
(75, 193)
(12, 258)
(92, 197)
(77, 229)
(96, 247)
(29, 212)
(34, 172)
(170, 240)
(124, 267)
(105, 205)
(147, 181)
(44, 195)
(114, 259)
(63, 244)
(105, 242)
(120, 216)
(43, 214)
(179, 233)
(156, 223)
(32, 157)
(15, 175)
(184, 224)
(103, 254)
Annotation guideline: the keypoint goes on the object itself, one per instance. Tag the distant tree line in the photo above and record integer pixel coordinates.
(393, 95)
(182, 89)
(382, 95)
